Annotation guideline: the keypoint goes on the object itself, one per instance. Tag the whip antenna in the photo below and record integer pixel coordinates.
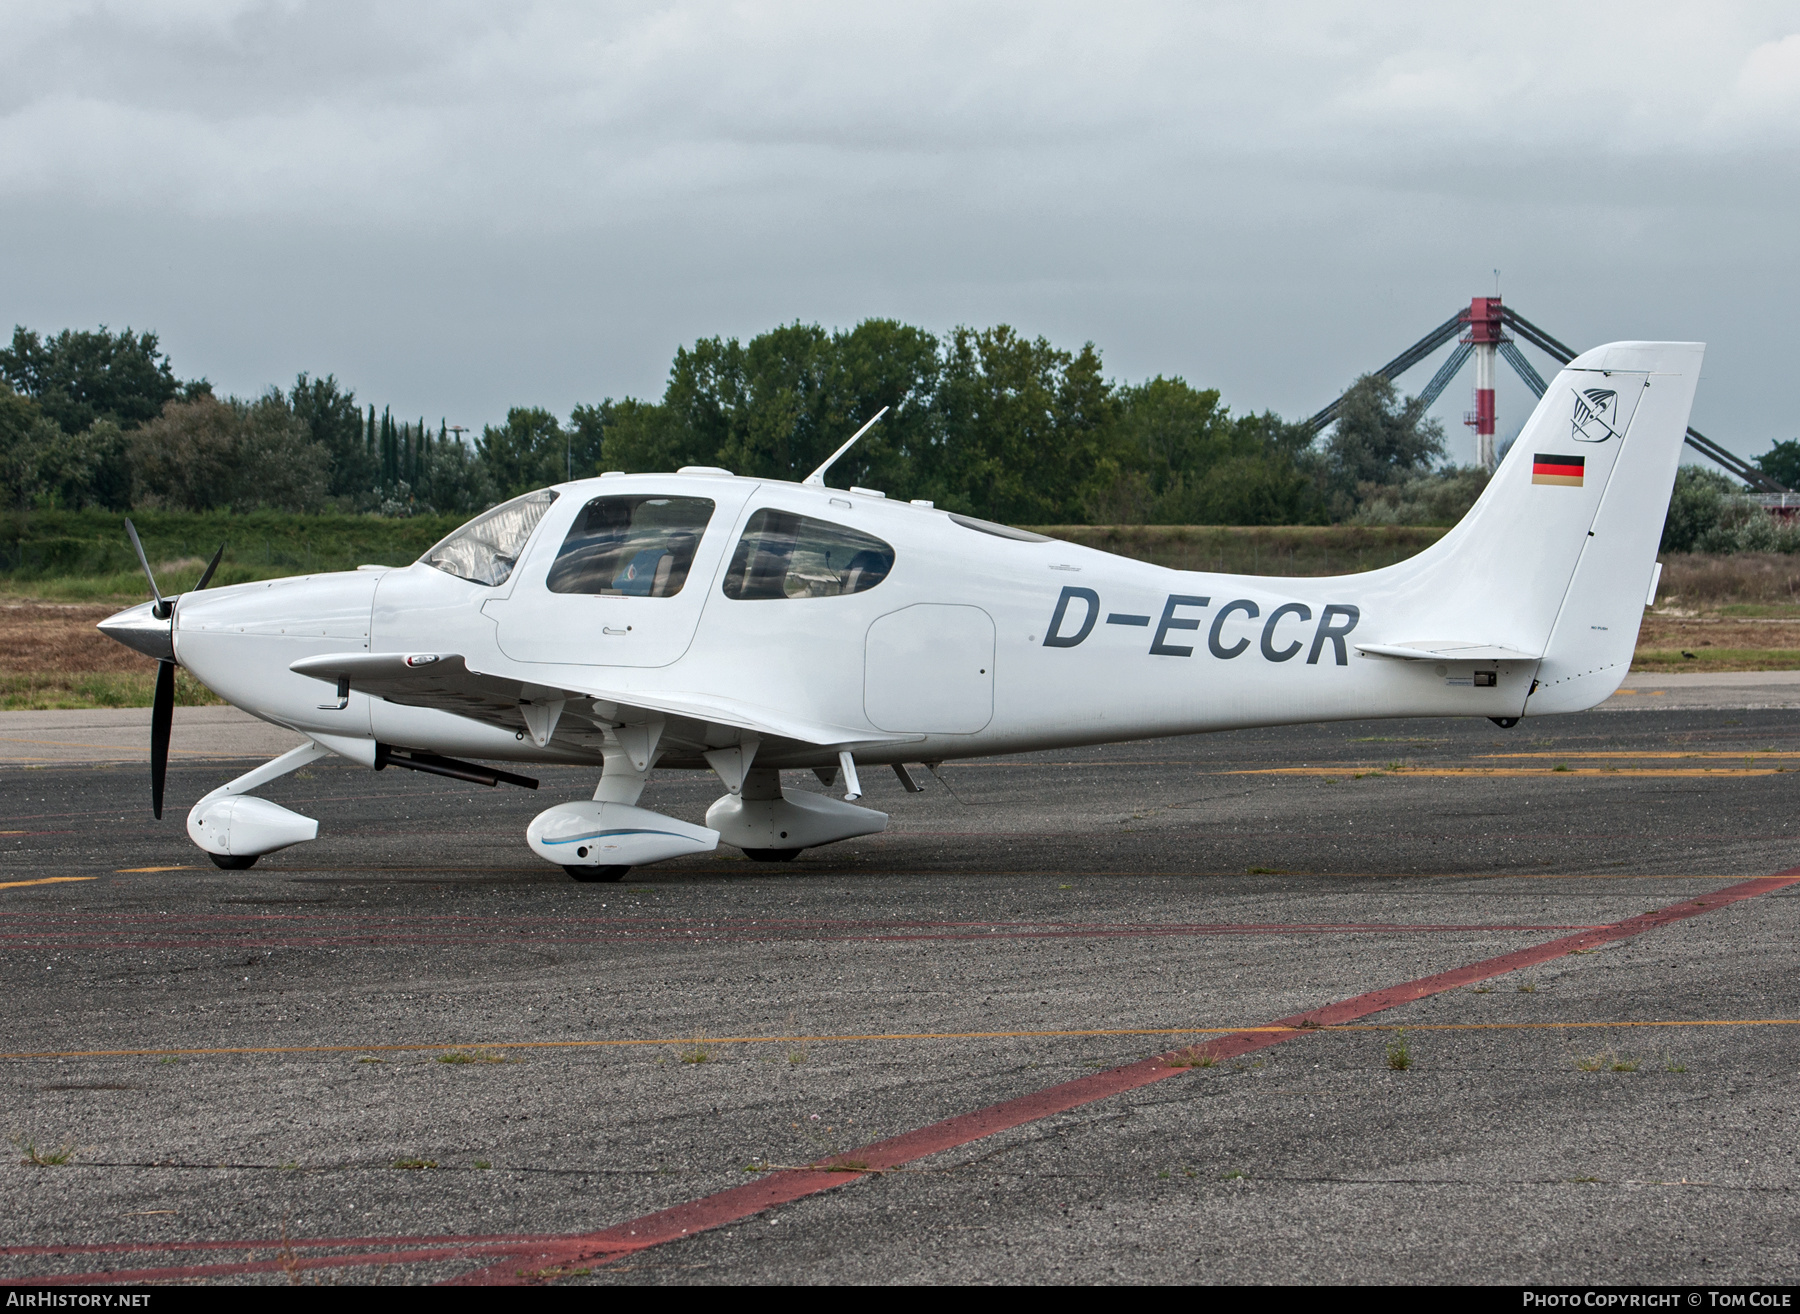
(818, 476)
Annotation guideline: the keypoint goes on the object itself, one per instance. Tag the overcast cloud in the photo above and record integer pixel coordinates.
(457, 208)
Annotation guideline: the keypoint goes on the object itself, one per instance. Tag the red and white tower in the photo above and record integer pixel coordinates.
(1484, 336)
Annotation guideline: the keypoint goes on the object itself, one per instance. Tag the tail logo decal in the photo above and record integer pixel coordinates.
(1564, 470)
(1596, 414)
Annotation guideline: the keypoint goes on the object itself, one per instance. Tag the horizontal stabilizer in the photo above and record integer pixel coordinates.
(1446, 650)
(445, 682)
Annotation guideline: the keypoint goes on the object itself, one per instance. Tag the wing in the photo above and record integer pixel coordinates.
(577, 719)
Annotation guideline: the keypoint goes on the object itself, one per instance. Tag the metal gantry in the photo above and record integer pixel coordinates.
(1476, 325)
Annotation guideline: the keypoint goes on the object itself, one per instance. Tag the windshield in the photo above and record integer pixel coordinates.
(485, 550)
(634, 546)
(783, 555)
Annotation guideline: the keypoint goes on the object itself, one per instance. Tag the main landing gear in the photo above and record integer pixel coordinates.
(588, 875)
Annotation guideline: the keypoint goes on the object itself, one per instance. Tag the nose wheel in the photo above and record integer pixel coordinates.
(594, 875)
(234, 861)
(771, 855)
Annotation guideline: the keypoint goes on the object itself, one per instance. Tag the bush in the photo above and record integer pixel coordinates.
(1442, 497)
(1709, 513)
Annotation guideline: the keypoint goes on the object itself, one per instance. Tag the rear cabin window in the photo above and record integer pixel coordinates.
(783, 555)
(635, 547)
(485, 550)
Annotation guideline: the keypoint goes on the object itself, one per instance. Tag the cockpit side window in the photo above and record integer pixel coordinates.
(783, 555)
(638, 547)
(485, 550)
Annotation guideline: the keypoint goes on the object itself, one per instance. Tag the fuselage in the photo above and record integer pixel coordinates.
(975, 639)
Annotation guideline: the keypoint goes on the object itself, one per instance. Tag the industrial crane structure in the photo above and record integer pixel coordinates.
(1481, 330)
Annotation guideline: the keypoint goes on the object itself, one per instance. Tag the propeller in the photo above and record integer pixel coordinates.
(162, 707)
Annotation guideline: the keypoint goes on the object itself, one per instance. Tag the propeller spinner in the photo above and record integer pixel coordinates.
(149, 628)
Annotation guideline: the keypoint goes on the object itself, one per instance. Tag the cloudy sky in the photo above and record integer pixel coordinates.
(457, 208)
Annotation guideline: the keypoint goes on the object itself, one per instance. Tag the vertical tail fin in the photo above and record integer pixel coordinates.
(1556, 556)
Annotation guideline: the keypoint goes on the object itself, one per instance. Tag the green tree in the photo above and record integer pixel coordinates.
(1380, 437)
(334, 421)
(205, 454)
(81, 377)
(1782, 463)
(529, 451)
(1025, 427)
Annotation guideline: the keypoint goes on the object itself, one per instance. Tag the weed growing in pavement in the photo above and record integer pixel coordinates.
(1559, 767)
(290, 1167)
(415, 1163)
(43, 1158)
(698, 1054)
(1528, 987)
(800, 1053)
(168, 1059)
(1607, 1060)
(1235, 1175)
(1673, 1065)
(1482, 990)
(482, 1164)
(1399, 1053)
(1191, 1057)
(469, 1056)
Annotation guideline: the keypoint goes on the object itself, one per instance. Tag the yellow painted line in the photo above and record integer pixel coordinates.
(131, 871)
(48, 880)
(665, 1041)
(1628, 757)
(1647, 772)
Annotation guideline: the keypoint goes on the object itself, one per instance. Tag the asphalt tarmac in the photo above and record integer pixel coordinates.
(411, 1052)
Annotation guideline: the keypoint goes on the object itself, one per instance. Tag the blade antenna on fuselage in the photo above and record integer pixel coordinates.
(817, 477)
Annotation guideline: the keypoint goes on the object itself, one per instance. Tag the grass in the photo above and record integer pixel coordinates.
(1399, 1053)
(414, 1164)
(699, 1054)
(37, 1157)
(82, 556)
(469, 1056)
(37, 692)
(1662, 660)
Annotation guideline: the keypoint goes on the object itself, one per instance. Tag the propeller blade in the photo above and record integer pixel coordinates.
(162, 607)
(206, 576)
(162, 714)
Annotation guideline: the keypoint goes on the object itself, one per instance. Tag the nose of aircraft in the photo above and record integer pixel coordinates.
(142, 630)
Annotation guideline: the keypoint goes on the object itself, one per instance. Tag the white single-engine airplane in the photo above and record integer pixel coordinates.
(702, 621)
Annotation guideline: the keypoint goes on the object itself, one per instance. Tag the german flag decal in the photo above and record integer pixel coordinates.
(1564, 470)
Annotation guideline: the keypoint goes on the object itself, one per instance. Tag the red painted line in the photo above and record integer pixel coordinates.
(741, 1202)
(527, 1257)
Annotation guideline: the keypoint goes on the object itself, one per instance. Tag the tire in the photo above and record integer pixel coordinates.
(771, 855)
(234, 861)
(593, 875)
